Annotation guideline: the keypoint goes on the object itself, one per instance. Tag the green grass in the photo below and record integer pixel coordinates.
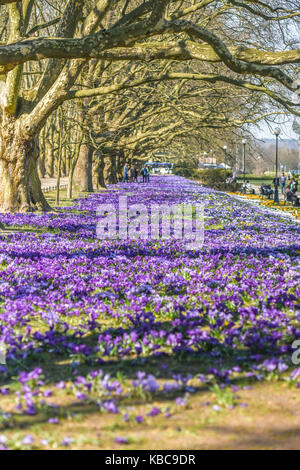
(64, 201)
(257, 180)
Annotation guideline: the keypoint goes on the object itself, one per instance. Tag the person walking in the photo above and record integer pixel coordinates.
(283, 181)
(132, 174)
(125, 174)
(144, 174)
(136, 174)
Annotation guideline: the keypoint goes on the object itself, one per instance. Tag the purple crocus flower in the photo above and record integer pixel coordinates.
(111, 406)
(121, 440)
(28, 440)
(53, 420)
(180, 401)
(154, 412)
(67, 441)
(139, 419)
(295, 373)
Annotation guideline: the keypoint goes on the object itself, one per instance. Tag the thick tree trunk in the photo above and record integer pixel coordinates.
(20, 184)
(42, 156)
(101, 179)
(120, 164)
(41, 166)
(84, 174)
(99, 172)
(110, 169)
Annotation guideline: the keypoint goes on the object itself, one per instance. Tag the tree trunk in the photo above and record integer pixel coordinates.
(42, 156)
(60, 156)
(99, 172)
(110, 169)
(121, 160)
(20, 184)
(70, 185)
(84, 168)
(73, 163)
(51, 171)
(41, 166)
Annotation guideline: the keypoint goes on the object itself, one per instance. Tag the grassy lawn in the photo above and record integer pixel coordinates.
(256, 180)
(64, 201)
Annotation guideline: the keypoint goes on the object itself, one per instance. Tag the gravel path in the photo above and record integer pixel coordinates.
(49, 184)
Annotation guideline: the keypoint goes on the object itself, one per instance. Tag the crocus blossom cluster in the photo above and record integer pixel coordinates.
(93, 304)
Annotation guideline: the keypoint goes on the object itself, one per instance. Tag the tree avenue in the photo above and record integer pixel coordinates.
(52, 52)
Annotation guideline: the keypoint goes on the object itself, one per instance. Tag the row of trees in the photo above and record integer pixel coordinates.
(88, 85)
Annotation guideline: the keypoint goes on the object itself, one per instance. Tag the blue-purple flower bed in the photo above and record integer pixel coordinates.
(111, 322)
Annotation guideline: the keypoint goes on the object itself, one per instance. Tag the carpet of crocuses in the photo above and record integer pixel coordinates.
(127, 335)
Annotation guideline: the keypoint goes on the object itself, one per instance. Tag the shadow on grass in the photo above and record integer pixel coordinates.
(274, 438)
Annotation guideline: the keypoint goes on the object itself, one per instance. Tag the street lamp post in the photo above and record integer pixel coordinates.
(276, 194)
(244, 142)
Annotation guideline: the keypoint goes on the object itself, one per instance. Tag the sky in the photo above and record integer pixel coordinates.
(286, 131)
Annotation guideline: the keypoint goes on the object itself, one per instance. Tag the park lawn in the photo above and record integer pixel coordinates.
(236, 391)
(64, 201)
(257, 181)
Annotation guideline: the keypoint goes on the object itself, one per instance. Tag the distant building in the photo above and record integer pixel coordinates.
(214, 166)
(162, 168)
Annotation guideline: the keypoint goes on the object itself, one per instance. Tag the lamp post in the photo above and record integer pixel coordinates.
(244, 142)
(276, 193)
(225, 154)
(299, 155)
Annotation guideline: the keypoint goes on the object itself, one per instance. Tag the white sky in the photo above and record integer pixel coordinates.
(286, 131)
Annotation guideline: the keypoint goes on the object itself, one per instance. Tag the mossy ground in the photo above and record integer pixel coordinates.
(270, 421)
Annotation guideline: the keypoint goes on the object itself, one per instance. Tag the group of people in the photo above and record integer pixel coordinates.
(288, 184)
(247, 188)
(232, 179)
(131, 173)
